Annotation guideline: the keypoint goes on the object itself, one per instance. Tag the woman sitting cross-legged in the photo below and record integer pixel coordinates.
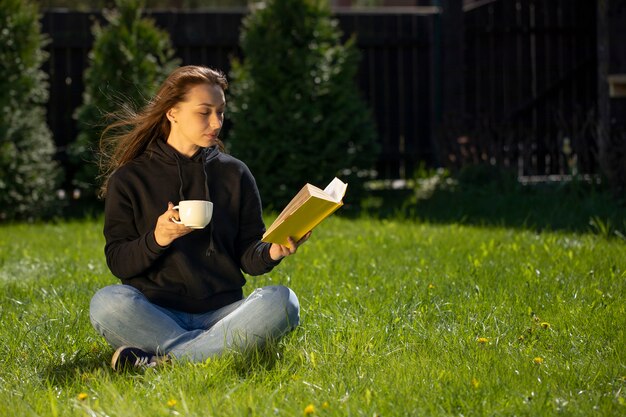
(181, 291)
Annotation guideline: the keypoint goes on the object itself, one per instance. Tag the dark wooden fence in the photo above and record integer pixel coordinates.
(529, 79)
(530, 87)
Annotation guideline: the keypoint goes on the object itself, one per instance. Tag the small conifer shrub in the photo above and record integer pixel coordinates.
(29, 175)
(296, 111)
(130, 57)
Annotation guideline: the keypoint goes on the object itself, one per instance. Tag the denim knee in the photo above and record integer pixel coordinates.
(293, 308)
(110, 300)
(286, 300)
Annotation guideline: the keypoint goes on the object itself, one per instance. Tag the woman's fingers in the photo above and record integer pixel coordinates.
(280, 251)
(166, 230)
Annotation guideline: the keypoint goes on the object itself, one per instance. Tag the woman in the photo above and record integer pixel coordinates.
(181, 293)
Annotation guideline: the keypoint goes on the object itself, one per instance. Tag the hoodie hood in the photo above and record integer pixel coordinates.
(169, 155)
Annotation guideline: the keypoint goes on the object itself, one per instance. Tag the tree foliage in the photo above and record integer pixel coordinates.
(296, 112)
(129, 59)
(28, 173)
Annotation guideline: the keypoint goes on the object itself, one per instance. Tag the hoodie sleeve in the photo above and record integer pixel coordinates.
(255, 255)
(128, 252)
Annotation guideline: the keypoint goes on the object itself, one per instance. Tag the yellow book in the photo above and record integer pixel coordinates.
(305, 211)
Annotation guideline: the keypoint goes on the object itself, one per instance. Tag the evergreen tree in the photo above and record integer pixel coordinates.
(296, 112)
(28, 173)
(129, 60)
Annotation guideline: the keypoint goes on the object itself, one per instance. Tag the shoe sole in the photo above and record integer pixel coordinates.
(116, 356)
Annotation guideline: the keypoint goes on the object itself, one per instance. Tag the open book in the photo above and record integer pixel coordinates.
(305, 211)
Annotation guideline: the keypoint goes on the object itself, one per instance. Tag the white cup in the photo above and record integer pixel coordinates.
(194, 213)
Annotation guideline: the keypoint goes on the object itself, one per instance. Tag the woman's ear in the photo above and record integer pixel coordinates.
(171, 115)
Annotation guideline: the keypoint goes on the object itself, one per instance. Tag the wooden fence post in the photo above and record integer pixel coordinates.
(611, 129)
(449, 95)
(453, 60)
(604, 104)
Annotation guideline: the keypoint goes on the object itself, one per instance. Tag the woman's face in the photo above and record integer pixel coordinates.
(196, 121)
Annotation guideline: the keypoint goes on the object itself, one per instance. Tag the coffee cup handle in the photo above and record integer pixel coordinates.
(173, 219)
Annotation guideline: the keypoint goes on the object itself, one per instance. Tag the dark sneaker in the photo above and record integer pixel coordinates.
(131, 357)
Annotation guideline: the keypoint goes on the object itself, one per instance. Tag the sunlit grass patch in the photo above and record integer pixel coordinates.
(398, 318)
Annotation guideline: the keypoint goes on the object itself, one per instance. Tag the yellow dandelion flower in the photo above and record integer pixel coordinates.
(545, 325)
(431, 286)
(538, 360)
(325, 405)
(82, 396)
(475, 383)
(172, 403)
(482, 340)
(309, 409)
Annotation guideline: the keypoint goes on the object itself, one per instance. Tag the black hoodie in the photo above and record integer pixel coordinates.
(200, 271)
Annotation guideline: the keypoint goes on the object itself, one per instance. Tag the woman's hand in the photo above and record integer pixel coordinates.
(280, 251)
(166, 231)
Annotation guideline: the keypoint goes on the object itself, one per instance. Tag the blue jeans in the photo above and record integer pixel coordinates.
(125, 317)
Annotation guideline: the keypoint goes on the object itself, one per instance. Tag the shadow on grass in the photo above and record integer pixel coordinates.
(255, 360)
(501, 201)
(483, 196)
(68, 372)
(244, 364)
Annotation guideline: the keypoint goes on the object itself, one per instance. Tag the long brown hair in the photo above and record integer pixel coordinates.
(131, 132)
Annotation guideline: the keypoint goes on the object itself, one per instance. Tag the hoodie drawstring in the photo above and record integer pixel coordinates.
(180, 177)
(211, 249)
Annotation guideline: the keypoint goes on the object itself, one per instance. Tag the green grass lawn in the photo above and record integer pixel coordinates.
(399, 318)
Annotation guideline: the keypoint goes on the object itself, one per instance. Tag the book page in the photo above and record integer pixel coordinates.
(336, 189)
